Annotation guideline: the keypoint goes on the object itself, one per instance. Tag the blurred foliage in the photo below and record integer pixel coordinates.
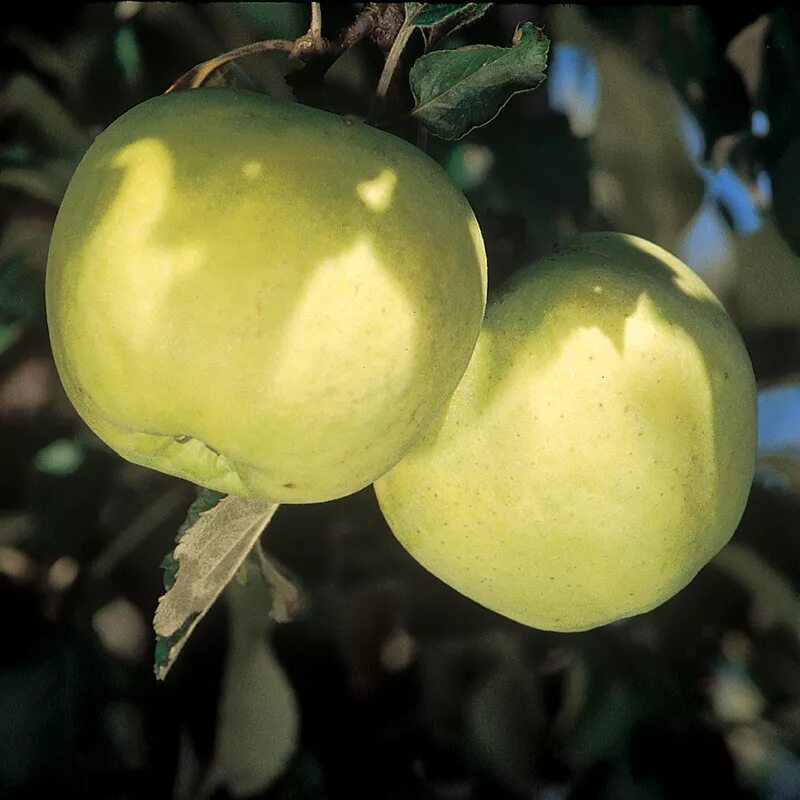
(679, 124)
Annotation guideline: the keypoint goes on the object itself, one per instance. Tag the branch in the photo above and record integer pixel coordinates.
(390, 18)
(384, 23)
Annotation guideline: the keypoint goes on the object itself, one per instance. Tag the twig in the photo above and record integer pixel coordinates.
(200, 73)
(390, 67)
(393, 59)
(315, 29)
(311, 44)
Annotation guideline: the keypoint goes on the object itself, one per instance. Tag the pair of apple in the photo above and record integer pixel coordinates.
(269, 300)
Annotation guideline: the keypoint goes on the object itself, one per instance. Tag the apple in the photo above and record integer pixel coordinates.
(261, 297)
(599, 449)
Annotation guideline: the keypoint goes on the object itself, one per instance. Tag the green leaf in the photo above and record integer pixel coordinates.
(258, 722)
(456, 91)
(426, 15)
(438, 20)
(212, 544)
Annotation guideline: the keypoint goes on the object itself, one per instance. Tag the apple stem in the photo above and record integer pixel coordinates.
(199, 74)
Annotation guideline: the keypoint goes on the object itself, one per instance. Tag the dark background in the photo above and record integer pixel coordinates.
(680, 124)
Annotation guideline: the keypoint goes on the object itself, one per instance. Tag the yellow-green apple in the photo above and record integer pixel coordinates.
(261, 297)
(599, 449)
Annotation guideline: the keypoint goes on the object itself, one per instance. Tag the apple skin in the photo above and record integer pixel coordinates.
(260, 297)
(599, 449)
